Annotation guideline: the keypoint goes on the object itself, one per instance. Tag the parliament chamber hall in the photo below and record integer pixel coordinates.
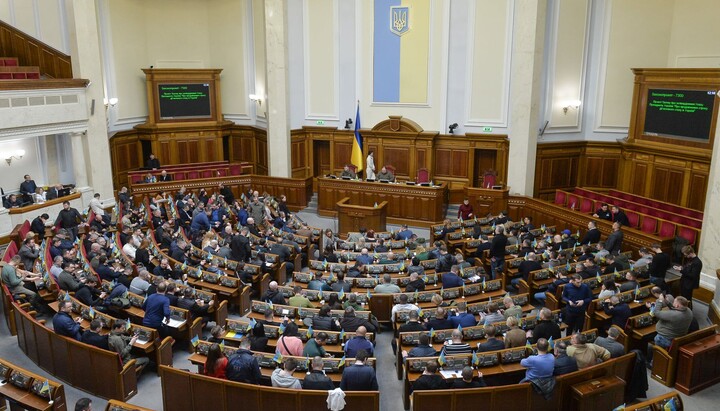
(359, 205)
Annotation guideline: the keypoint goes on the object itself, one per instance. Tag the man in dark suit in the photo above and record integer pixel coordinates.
(54, 192)
(563, 363)
(93, 337)
(27, 189)
(497, 251)
(658, 266)
(38, 225)
(603, 212)
(619, 216)
(440, 322)
(152, 163)
(690, 273)
(359, 376)
(614, 241)
(592, 236)
(164, 176)
(492, 343)
(240, 246)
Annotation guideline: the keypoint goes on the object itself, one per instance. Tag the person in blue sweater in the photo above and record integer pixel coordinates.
(63, 323)
(452, 279)
(541, 365)
(461, 317)
(577, 297)
(157, 310)
(200, 222)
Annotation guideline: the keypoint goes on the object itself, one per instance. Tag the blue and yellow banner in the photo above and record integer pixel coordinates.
(401, 51)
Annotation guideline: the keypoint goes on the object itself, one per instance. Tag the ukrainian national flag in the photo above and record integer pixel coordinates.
(356, 158)
(401, 51)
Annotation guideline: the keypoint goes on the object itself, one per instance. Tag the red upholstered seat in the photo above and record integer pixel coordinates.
(208, 173)
(560, 197)
(193, 175)
(179, 176)
(633, 218)
(666, 229)
(221, 172)
(5, 76)
(587, 205)
(649, 224)
(687, 233)
(10, 251)
(11, 62)
(573, 201)
(489, 180)
(136, 179)
(19, 76)
(33, 76)
(423, 176)
(235, 169)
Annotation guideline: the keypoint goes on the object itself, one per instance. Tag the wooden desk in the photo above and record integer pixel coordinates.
(604, 393)
(486, 201)
(421, 206)
(353, 216)
(699, 365)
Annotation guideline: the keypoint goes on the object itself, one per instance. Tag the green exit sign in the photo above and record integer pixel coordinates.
(487, 129)
(320, 122)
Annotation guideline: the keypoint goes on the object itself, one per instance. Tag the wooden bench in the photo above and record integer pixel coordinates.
(115, 405)
(518, 397)
(83, 366)
(183, 390)
(28, 390)
(657, 403)
(664, 368)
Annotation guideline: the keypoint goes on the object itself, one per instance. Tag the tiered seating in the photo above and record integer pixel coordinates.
(521, 396)
(89, 368)
(659, 403)
(657, 204)
(20, 73)
(665, 362)
(194, 171)
(648, 219)
(27, 390)
(183, 390)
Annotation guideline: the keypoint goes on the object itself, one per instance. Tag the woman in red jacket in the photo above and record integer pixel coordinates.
(216, 362)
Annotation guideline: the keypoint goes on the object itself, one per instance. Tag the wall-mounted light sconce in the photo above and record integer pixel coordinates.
(17, 155)
(452, 127)
(256, 98)
(575, 104)
(112, 102)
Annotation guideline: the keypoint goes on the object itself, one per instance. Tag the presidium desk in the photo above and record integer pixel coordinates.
(411, 204)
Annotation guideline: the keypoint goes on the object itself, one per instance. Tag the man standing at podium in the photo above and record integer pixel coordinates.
(370, 165)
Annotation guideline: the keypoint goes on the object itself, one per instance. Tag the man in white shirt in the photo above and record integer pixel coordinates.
(403, 306)
(96, 207)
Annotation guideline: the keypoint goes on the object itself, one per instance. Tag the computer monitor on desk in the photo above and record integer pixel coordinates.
(370, 180)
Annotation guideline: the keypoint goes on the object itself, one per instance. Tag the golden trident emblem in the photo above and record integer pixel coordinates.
(399, 20)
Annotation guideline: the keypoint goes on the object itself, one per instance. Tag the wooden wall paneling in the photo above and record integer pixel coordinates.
(460, 163)
(557, 167)
(341, 155)
(399, 157)
(697, 189)
(261, 155)
(443, 162)
(32, 52)
(298, 153)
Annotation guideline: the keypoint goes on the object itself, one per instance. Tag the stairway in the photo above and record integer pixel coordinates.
(312, 206)
(452, 211)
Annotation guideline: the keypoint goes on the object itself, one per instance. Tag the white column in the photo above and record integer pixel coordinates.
(276, 75)
(87, 63)
(79, 160)
(708, 249)
(525, 93)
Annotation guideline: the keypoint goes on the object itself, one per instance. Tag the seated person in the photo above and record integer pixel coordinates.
(316, 378)
(359, 343)
(423, 349)
(385, 175)
(468, 381)
(284, 378)
(563, 363)
(12, 201)
(456, 345)
(586, 354)
(299, 299)
(430, 379)
(92, 336)
(440, 322)
(492, 343)
(347, 173)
